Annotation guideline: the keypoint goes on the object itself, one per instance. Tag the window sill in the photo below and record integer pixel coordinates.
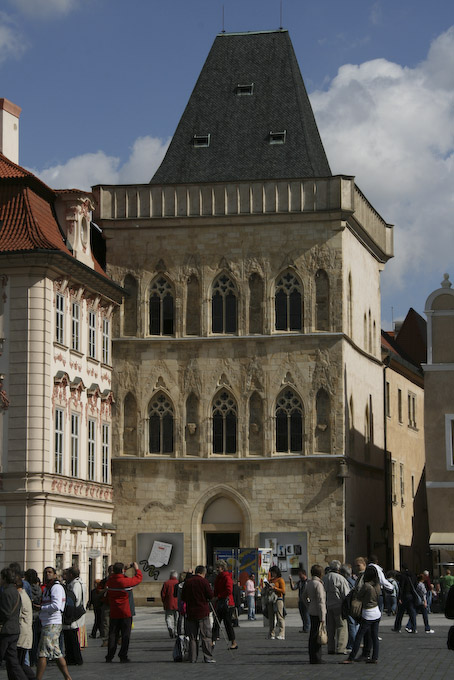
(77, 353)
(93, 361)
(59, 345)
(107, 366)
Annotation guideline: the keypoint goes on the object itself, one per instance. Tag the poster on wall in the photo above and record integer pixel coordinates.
(289, 549)
(159, 554)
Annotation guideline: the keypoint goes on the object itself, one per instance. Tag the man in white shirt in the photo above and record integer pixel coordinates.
(50, 615)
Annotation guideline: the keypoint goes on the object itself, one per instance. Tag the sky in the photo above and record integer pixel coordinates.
(102, 85)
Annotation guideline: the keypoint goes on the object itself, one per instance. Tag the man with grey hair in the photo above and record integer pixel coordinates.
(169, 599)
(337, 588)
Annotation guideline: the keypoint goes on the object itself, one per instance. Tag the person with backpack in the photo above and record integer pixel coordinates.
(71, 630)
(50, 614)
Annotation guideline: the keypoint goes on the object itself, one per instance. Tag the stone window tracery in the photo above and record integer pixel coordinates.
(224, 305)
(161, 418)
(289, 423)
(162, 310)
(288, 303)
(224, 414)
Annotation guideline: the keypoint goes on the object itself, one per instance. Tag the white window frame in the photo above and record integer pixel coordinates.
(449, 434)
(92, 334)
(75, 444)
(106, 341)
(75, 326)
(393, 482)
(91, 471)
(105, 453)
(60, 318)
(399, 405)
(402, 484)
(59, 438)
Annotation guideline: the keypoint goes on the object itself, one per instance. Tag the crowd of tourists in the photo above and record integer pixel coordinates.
(339, 605)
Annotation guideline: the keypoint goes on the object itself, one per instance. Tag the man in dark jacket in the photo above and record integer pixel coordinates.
(10, 606)
(197, 593)
(118, 587)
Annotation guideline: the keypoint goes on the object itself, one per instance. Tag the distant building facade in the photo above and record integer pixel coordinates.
(247, 357)
(439, 419)
(56, 312)
(403, 352)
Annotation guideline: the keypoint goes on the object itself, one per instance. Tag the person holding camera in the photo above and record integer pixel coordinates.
(118, 588)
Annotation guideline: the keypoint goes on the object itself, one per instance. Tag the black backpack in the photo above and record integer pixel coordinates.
(71, 612)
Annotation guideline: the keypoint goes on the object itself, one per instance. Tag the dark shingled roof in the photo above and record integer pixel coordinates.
(239, 125)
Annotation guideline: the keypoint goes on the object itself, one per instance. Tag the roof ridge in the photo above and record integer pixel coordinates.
(275, 30)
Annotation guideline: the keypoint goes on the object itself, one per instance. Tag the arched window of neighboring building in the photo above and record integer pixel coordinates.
(161, 418)
(192, 425)
(370, 333)
(130, 306)
(225, 414)
(321, 301)
(255, 424)
(130, 425)
(365, 331)
(288, 303)
(350, 306)
(255, 304)
(289, 422)
(161, 307)
(323, 429)
(193, 306)
(224, 305)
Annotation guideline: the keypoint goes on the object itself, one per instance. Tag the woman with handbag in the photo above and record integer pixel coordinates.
(276, 605)
(315, 594)
(369, 595)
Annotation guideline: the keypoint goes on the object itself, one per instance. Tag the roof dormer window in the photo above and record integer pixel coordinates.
(277, 137)
(199, 141)
(247, 89)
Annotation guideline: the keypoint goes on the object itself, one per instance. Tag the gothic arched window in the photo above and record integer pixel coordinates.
(224, 423)
(289, 423)
(224, 305)
(288, 303)
(161, 307)
(160, 415)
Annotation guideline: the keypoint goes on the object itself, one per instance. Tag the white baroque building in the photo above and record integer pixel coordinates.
(56, 309)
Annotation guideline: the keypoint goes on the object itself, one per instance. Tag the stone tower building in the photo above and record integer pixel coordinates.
(247, 358)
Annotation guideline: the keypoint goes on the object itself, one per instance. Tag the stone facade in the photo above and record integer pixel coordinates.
(331, 364)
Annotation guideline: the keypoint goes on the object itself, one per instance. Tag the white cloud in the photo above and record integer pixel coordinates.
(45, 8)
(393, 127)
(12, 43)
(83, 172)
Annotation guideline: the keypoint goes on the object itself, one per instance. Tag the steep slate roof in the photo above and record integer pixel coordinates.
(239, 125)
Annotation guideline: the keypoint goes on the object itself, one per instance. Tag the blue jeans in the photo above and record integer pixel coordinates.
(420, 610)
(365, 626)
(251, 607)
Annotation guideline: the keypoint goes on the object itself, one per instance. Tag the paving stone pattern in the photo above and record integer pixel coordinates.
(402, 656)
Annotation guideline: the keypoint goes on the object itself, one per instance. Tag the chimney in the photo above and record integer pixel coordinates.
(9, 130)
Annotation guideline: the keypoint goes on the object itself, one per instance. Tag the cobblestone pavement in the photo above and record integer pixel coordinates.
(402, 656)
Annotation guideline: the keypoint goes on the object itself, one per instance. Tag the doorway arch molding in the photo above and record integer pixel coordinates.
(218, 491)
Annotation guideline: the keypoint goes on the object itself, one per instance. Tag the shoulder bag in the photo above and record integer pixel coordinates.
(322, 636)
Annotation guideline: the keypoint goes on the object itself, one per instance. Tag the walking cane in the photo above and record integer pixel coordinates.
(219, 625)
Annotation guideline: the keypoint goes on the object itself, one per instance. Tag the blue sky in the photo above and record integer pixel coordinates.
(102, 84)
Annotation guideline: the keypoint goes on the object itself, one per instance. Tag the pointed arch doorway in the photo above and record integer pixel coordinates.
(222, 526)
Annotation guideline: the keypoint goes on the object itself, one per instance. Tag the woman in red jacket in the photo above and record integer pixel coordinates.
(223, 599)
